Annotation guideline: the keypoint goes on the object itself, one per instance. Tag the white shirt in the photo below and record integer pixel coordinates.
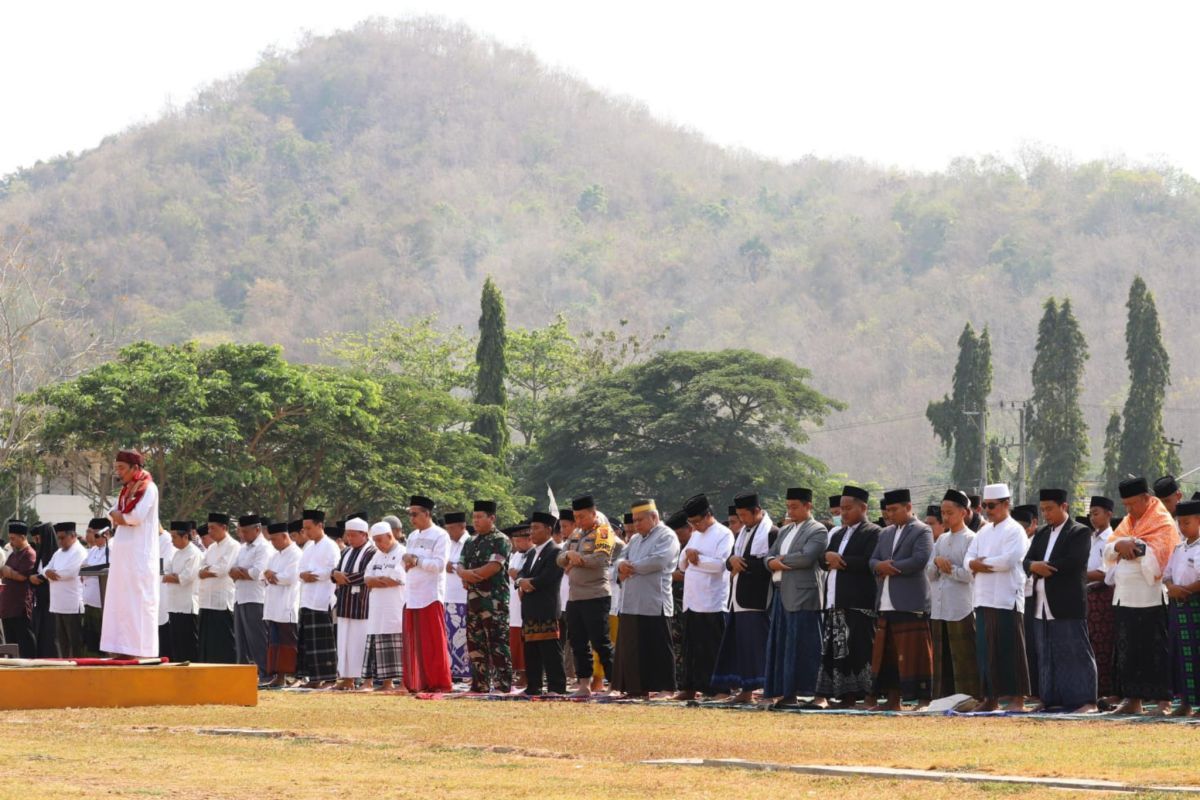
(455, 591)
(1041, 604)
(281, 600)
(427, 580)
(516, 560)
(386, 612)
(183, 597)
(216, 593)
(253, 558)
(831, 583)
(787, 534)
(320, 558)
(706, 583)
(1182, 569)
(91, 583)
(1002, 547)
(165, 551)
(1096, 554)
(66, 593)
(754, 541)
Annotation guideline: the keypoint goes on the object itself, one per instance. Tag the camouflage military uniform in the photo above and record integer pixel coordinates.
(487, 613)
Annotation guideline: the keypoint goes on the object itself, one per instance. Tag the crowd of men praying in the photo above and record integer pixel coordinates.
(992, 605)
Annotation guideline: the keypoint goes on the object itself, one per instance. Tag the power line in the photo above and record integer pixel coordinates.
(867, 423)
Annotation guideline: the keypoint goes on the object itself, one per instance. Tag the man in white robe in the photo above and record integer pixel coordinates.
(385, 620)
(130, 625)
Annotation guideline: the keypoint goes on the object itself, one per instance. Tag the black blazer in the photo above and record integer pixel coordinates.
(856, 583)
(542, 604)
(1066, 590)
(755, 582)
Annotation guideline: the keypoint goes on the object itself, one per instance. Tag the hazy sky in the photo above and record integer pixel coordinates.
(911, 84)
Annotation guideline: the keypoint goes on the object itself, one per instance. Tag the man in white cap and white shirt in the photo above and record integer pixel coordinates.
(995, 559)
(385, 620)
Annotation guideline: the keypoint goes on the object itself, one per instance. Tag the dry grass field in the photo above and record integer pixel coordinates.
(364, 746)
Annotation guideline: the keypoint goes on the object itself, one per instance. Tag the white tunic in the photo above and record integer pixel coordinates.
(130, 625)
(706, 583)
(165, 551)
(216, 593)
(91, 583)
(281, 600)
(386, 614)
(427, 580)
(66, 593)
(320, 558)
(253, 558)
(455, 591)
(516, 560)
(183, 597)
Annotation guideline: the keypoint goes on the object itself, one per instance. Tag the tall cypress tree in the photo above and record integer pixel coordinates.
(490, 396)
(1143, 452)
(1057, 429)
(972, 384)
(1111, 474)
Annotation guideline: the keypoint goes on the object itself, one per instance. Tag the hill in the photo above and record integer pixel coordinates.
(381, 173)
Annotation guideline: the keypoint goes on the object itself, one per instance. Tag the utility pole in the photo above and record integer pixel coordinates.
(980, 418)
(1021, 407)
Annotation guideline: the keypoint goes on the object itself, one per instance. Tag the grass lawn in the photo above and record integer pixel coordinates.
(372, 746)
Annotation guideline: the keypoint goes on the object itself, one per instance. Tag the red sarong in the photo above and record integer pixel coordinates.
(426, 651)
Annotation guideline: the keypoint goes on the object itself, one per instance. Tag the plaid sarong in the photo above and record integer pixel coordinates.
(955, 668)
(384, 656)
(319, 641)
(1185, 650)
(902, 656)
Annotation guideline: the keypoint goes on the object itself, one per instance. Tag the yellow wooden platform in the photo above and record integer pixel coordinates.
(124, 687)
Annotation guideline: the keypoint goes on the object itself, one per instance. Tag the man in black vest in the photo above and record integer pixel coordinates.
(1057, 561)
(849, 633)
(538, 587)
(742, 658)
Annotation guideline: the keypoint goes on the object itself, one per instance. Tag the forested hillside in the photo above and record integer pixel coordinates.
(382, 173)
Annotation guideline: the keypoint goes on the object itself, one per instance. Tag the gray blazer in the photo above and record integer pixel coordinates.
(909, 591)
(803, 585)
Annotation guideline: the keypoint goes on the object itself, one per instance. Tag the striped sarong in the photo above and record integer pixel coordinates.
(902, 656)
(1000, 652)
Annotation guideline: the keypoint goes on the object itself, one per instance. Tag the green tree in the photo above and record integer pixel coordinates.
(419, 349)
(951, 417)
(680, 423)
(1057, 430)
(543, 365)
(997, 469)
(1143, 452)
(1110, 473)
(491, 421)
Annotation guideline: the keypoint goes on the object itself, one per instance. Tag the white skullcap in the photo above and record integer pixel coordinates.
(357, 524)
(996, 491)
(380, 527)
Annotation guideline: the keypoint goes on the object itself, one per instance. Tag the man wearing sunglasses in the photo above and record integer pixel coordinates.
(995, 559)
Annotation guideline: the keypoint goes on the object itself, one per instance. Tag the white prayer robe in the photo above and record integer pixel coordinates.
(321, 559)
(516, 560)
(130, 622)
(66, 593)
(216, 592)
